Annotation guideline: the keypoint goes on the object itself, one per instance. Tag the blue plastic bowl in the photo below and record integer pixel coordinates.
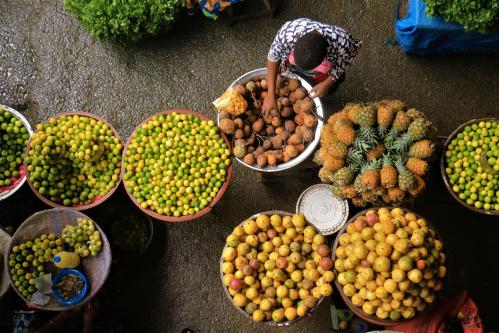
(77, 298)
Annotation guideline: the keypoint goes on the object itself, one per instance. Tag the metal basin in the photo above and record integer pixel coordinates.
(310, 148)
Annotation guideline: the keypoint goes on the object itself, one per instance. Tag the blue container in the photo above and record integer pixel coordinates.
(77, 298)
(417, 33)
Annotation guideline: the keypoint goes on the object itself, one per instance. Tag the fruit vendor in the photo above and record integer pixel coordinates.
(316, 51)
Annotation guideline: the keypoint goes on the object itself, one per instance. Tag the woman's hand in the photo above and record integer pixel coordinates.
(322, 88)
(269, 103)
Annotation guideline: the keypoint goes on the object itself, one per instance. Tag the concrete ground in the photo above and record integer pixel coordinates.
(49, 65)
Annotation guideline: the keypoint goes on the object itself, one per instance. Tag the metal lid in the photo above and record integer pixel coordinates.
(321, 208)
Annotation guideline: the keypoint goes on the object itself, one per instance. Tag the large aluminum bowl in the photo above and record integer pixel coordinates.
(309, 149)
(5, 194)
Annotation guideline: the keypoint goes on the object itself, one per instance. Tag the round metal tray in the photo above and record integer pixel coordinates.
(5, 194)
(444, 174)
(309, 149)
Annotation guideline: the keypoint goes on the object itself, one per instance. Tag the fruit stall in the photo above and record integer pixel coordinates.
(354, 236)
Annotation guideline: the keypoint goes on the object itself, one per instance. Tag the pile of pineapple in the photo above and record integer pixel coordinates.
(376, 152)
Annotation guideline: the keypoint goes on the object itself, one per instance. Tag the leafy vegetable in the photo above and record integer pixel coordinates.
(479, 15)
(126, 20)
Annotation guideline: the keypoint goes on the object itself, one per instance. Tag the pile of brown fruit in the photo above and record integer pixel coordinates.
(273, 137)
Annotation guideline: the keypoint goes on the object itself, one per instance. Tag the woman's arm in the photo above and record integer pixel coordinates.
(270, 101)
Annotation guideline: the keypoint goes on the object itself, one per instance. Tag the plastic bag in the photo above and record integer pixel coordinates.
(232, 102)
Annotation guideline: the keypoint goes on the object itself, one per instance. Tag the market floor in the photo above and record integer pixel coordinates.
(49, 65)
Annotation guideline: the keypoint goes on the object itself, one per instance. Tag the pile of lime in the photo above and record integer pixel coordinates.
(472, 165)
(27, 261)
(74, 159)
(13, 138)
(84, 238)
(175, 164)
(130, 233)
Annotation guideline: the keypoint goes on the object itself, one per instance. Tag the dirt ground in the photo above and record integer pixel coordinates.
(49, 65)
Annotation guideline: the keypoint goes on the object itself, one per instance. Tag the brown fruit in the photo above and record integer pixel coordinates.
(240, 89)
(295, 139)
(291, 151)
(300, 93)
(258, 125)
(271, 159)
(293, 84)
(286, 112)
(290, 126)
(227, 126)
(261, 160)
(299, 120)
(309, 120)
(307, 134)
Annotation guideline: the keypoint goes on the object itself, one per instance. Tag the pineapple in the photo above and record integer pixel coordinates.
(405, 178)
(344, 176)
(366, 117)
(357, 184)
(375, 152)
(369, 178)
(370, 196)
(401, 121)
(327, 135)
(340, 123)
(326, 175)
(346, 134)
(417, 166)
(335, 117)
(418, 129)
(359, 202)
(353, 113)
(419, 187)
(337, 191)
(388, 173)
(333, 164)
(396, 105)
(337, 149)
(385, 115)
(421, 149)
(361, 145)
(348, 191)
(396, 194)
(414, 114)
(317, 157)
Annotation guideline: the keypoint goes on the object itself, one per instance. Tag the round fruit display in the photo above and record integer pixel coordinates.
(74, 160)
(376, 152)
(264, 140)
(471, 163)
(13, 139)
(389, 264)
(276, 268)
(176, 165)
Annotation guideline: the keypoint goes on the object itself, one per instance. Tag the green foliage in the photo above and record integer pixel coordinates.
(125, 20)
(479, 15)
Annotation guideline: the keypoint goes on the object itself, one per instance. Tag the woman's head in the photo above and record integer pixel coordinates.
(310, 50)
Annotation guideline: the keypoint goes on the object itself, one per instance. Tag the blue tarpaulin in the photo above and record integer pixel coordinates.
(420, 34)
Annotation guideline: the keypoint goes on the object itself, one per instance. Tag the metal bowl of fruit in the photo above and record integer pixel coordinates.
(17, 131)
(473, 179)
(280, 139)
(276, 291)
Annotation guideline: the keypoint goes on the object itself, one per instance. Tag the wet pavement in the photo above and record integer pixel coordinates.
(49, 65)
